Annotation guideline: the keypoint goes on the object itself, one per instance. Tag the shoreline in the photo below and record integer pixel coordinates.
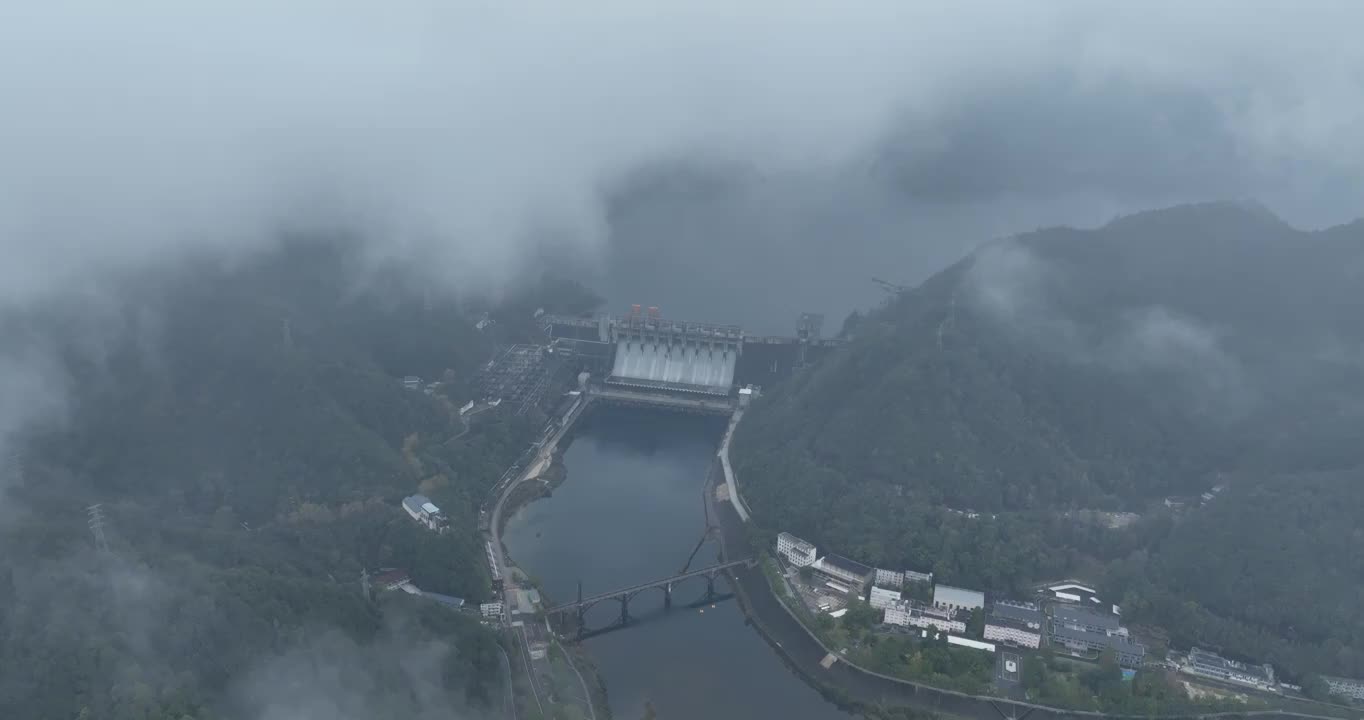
(848, 686)
(861, 690)
(520, 495)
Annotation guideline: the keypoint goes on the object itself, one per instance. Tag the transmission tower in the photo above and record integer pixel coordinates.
(96, 513)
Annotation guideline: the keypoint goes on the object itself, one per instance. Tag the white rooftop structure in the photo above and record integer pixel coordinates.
(973, 644)
(1071, 587)
(957, 598)
(882, 598)
(796, 551)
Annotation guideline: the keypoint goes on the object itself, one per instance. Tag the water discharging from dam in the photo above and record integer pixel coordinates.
(699, 364)
(675, 356)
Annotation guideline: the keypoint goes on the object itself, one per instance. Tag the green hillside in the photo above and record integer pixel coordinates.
(247, 433)
(1064, 370)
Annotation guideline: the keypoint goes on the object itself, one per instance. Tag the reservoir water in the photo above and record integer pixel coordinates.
(631, 511)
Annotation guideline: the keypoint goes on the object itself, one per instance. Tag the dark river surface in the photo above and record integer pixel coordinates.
(631, 511)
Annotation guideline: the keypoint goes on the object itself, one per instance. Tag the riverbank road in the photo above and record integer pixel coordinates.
(538, 460)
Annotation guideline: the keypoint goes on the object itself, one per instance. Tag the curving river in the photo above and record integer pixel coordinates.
(631, 511)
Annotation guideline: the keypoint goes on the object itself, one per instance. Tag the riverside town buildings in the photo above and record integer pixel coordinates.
(889, 578)
(425, 512)
(1014, 623)
(882, 598)
(1345, 687)
(902, 613)
(1210, 664)
(849, 572)
(1084, 631)
(916, 576)
(796, 551)
(955, 598)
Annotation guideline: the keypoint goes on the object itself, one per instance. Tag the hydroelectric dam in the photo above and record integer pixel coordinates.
(646, 353)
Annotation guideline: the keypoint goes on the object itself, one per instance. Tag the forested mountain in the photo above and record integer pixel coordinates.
(1165, 354)
(247, 434)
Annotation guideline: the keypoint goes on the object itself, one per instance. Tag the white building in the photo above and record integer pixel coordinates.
(1072, 592)
(889, 578)
(916, 576)
(968, 643)
(928, 618)
(490, 609)
(796, 551)
(841, 569)
(1012, 632)
(1210, 664)
(1014, 623)
(902, 613)
(1345, 687)
(425, 512)
(955, 598)
(897, 614)
(882, 598)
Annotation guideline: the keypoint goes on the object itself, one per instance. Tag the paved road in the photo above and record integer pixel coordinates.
(537, 464)
(511, 686)
(730, 478)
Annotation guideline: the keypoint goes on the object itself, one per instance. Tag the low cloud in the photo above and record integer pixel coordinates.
(1157, 338)
(330, 677)
(1020, 291)
(463, 134)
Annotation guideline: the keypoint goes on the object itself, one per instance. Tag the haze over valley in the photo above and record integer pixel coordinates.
(279, 275)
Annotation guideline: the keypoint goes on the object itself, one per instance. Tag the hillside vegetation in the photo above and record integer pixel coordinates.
(1164, 354)
(247, 434)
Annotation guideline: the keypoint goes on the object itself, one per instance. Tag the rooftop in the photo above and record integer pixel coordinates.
(1014, 623)
(846, 565)
(1080, 615)
(450, 600)
(801, 545)
(949, 595)
(1073, 587)
(973, 644)
(1019, 611)
(1214, 661)
(1119, 643)
(391, 577)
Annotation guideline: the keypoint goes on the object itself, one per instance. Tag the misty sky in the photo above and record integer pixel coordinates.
(669, 146)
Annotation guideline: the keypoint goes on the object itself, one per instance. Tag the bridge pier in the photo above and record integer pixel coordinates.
(668, 596)
(624, 609)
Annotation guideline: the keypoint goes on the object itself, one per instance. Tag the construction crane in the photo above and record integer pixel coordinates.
(890, 287)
